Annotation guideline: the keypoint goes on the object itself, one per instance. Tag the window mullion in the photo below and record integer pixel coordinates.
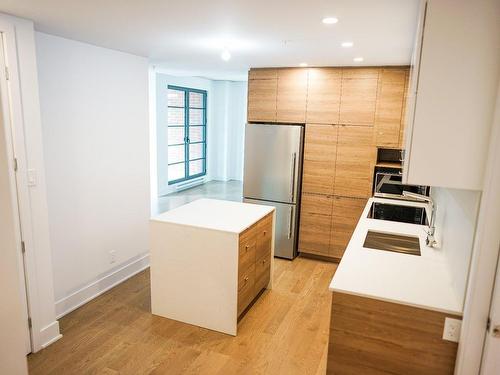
(186, 132)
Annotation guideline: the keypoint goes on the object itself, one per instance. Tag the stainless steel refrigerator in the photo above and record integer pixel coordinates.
(272, 176)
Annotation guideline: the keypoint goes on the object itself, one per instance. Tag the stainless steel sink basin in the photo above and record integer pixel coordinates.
(397, 243)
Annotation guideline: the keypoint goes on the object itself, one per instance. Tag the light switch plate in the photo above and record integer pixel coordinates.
(451, 331)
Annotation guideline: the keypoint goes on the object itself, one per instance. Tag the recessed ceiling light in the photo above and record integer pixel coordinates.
(225, 55)
(347, 44)
(357, 59)
(330, 20)
(303, 65)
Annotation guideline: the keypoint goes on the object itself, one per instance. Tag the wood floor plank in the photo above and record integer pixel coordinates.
(285, 332)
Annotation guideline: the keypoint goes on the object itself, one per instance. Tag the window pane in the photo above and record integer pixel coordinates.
(175, 98)
(175, 154)
(196, 167)
(176, 172)
(196, 151)
(196, 133)
(195, 116)
(195, 100)
(175, 116)
(175, 136)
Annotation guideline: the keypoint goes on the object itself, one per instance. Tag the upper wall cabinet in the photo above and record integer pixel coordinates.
(359, 96)
(390, 101)
(262, 95)
(292, 95)
(455, 69)
(323, 95)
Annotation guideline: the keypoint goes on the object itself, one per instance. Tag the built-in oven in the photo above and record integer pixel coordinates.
(388, 184)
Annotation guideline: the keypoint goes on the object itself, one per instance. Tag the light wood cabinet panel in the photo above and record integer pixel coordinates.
(359, 96)
(263, 73)
(346, 214)
(315, 224)
(356, 157)
(262, 95)
(402, 128)
(323, 95)
(292, 95)
(320, 152)
(390, 98)
(373, 337)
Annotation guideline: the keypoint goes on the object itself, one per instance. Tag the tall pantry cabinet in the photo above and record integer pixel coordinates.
(347, 113)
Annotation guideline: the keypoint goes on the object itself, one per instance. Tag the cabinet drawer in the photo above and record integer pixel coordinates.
(246, 289)
(262, 274)
(264, 236)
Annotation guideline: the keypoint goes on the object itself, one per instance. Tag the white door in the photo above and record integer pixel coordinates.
(491, 353)
(7, 127)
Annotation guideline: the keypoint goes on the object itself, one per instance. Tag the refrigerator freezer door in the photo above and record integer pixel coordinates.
(285, 239)
(273, 162)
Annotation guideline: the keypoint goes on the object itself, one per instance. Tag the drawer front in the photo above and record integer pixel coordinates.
(264, 236)
(246, 255)
(246, 289)
(263, 265)
(262, 273)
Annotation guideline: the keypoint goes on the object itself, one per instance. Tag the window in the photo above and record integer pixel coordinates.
(187, 133)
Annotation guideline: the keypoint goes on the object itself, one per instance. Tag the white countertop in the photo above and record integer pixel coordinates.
(226, 216)
(420, 281)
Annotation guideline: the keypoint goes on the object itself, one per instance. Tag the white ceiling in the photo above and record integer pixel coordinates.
(187, 36)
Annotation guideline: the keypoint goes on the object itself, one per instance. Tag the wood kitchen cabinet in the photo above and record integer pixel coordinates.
(390, 106)
(356, 156)
(292, 95)
(345, 215)
(262, 95)
(323, 95)
(315, 224)
(320, 153)
(358, 96)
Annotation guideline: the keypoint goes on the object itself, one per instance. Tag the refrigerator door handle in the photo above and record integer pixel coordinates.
(292, 178)
(290, 222)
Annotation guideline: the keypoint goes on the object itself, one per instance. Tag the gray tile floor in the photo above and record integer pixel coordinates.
(226, 190)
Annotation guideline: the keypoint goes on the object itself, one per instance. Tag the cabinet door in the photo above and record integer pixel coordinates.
(292, 94)
(346, 214)
(323, 95)
(359, 95)
(320, 151)
(315, 224)
(262, 94)
(391, 91)
(402, 128)
(356, 157)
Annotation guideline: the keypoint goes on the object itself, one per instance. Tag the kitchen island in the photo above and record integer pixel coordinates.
(389, 308)
(210, 259)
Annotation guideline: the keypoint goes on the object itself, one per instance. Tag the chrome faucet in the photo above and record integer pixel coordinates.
(430, 240)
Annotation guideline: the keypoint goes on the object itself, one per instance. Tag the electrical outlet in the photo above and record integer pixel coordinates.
(451, 331)
(112, 256)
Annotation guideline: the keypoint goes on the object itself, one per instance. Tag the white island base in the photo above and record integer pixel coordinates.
(209, 260)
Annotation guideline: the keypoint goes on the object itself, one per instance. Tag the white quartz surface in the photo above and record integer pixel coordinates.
(226, 216)
(420, 281)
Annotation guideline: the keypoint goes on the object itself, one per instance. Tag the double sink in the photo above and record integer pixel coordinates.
(393, 242)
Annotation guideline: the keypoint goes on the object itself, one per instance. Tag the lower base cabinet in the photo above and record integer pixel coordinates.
(373, 337)
(327, 223)
(254, 261)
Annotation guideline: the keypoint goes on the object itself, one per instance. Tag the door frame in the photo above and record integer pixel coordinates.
(483, 263)
(15, 138)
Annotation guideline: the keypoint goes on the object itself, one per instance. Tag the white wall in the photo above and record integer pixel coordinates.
(12, 324)
(94, 104)
(456, 217)
(226, 116)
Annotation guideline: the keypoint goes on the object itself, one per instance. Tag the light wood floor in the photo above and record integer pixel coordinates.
(285, 332)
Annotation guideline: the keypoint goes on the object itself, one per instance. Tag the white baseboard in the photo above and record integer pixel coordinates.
(49, 334)
(98, 287)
